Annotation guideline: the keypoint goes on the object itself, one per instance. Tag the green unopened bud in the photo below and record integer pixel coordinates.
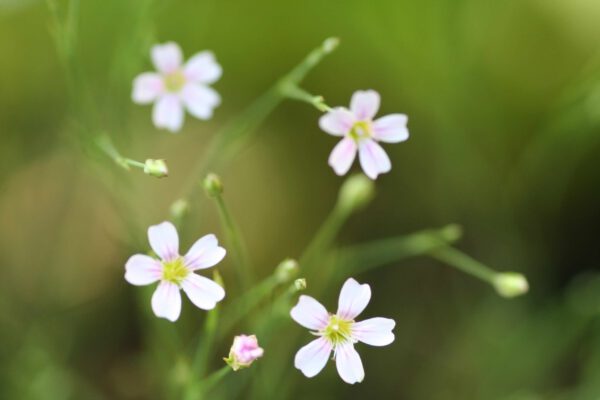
(356, 192)
(212, 185)
(330, 44)
(179, 208)
(286, 270)
(300, 284)
(157, 168)
(510, 284)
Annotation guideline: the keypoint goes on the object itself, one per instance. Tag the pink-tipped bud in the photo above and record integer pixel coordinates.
(243, 352)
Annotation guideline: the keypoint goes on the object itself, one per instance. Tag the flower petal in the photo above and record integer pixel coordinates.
(342, 156)
(337, 122)
(354, 297)
(374, 331)
(205, 253)
(373, 158)
(168, 113)
(166, 301)
(203, 68)
(391, 128)
(348, 363)
(365, 104)
(312, 358)
(200, 100)
(164, 240)
(310, 313)
(142, 270)
(147, 87)
(167, 57)
(203, 292)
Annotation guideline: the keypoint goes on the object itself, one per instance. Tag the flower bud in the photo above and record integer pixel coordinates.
(286, 270)
(179, 208)
(330, 44)
(300, 284)
(510, 284)
(243, 352)
(157, 168)
(356, 192)
(212, 185)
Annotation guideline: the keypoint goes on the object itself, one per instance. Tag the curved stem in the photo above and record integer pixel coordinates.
(228, 140)
(234, 237)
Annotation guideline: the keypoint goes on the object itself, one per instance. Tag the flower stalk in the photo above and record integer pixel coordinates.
(214, 189)
(506, 284)
(232, 137)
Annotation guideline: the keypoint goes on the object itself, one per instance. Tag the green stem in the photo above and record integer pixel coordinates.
(294, 92)
(231, 138)
(205, 345)
(364, 257)
(465, 263)
(248, 301)
(285, 272)
(323, 238)
(105, 144)
(234, 237)
(215, 377)
(199, 389)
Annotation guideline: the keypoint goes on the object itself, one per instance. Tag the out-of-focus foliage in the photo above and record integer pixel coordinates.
(504, 105)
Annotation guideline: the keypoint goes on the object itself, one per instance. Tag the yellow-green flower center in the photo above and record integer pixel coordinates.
(175, 81)
(338, 330)
(175, 271)
(361, 130)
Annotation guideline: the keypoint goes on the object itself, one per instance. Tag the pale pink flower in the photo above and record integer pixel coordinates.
(339, 332)
(175, 272)
(243, 352)
(177, 86)
(361, 133)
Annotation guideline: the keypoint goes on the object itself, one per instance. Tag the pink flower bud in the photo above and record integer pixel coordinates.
(243, 352)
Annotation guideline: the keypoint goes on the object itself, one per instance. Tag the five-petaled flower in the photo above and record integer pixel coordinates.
(177, 85)
(339, 332)
(175, 272)
(361, 133)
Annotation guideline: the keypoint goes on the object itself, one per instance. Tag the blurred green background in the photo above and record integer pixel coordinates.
(503, 99)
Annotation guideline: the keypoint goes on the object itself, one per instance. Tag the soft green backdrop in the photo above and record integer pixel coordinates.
(504, 105)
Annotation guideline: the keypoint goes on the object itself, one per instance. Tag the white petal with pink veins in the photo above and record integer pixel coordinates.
(311, 359)
(166, 301)
(205, 253)
(365, 104)
(349, 364)
(167, 57)
(343, 155)
(354, 297)
(203, 292)
(147, 87)
(374, 331)
(373, 158)
(310, 313)
(203, 68)
(200, 100)
(164, 240)
(142, 270)
(391, 128)
(168, 113)
(337, 122)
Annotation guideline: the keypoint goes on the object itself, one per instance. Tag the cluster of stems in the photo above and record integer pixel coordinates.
(317, 265)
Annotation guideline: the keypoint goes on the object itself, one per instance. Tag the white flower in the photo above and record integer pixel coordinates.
(175, 272)
(361, 134)
(177, 86)
(339, 332)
